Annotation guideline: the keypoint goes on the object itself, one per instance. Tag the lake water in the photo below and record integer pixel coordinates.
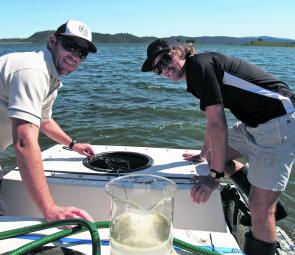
(108, 100)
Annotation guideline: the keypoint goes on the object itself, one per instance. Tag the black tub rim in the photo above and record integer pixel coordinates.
(149, 161)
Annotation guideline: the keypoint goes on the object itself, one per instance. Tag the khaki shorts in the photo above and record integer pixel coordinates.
(269, 149)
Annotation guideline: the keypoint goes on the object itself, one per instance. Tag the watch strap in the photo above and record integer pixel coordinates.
(215, 174)
(71, 145)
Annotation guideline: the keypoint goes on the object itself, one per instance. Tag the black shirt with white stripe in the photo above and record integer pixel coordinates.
(251, 94)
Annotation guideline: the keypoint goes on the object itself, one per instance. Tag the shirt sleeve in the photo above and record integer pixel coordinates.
(28, 89)
(208, 79)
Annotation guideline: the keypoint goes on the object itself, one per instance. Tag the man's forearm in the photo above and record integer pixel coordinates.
(54, 131)
(218, 141)
(28, 158)
(30, 165)
(206, 145)
(217, 133)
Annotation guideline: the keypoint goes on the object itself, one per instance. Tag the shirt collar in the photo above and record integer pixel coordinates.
(54, 76)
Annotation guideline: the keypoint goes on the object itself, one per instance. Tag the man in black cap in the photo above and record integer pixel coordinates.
(265, 135)
(29, 82)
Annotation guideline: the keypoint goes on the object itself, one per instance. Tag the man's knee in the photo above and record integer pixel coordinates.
(261, 208)
(263, 199)
(241, 180)
(261, 215)
(232, 166)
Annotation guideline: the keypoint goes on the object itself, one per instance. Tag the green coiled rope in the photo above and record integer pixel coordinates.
(83, 225)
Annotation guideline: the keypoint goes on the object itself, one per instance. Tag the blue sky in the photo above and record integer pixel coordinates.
(161, 18)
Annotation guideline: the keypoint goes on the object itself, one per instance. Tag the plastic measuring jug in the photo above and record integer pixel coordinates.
(141, 215)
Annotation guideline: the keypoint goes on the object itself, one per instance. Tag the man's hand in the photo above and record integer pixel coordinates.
(55, 132)
(84, 149)
(61, 213)
(193, 157)
(203, 188)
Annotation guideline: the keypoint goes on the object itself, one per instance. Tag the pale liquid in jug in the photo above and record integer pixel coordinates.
(141, 233)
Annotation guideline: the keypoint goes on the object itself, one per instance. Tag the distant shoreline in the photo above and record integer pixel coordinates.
(270, 44)
(41, 37)
(12, 42)
(265, 44)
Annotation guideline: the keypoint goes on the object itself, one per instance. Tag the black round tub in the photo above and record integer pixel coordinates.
(119, 161)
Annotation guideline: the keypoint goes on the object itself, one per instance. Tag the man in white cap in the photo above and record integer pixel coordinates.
(29, 82)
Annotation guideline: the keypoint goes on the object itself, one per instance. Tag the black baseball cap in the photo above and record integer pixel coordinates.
(155, 49)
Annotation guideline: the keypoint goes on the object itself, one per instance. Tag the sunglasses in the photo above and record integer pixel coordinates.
(164, 61)
(72, 46)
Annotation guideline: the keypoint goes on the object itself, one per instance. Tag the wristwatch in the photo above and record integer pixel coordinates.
(73, 142)
(215, 174)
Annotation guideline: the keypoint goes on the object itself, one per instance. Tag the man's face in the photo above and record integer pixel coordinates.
(169, 65)
(68, 53)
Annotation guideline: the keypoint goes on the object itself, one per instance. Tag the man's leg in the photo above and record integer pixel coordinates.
(262, 207)
(232, 165)
(262, 238)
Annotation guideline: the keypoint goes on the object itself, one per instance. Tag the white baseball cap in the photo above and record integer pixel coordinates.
(74, 28)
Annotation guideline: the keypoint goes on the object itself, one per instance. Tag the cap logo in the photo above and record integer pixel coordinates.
(160, 48)
(83, 30)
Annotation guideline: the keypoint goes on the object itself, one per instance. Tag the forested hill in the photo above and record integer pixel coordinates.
(41, 37)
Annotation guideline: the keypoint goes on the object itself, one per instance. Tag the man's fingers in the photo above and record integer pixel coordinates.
(193, 157)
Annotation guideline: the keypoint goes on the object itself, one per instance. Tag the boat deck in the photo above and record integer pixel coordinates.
(71, 183)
